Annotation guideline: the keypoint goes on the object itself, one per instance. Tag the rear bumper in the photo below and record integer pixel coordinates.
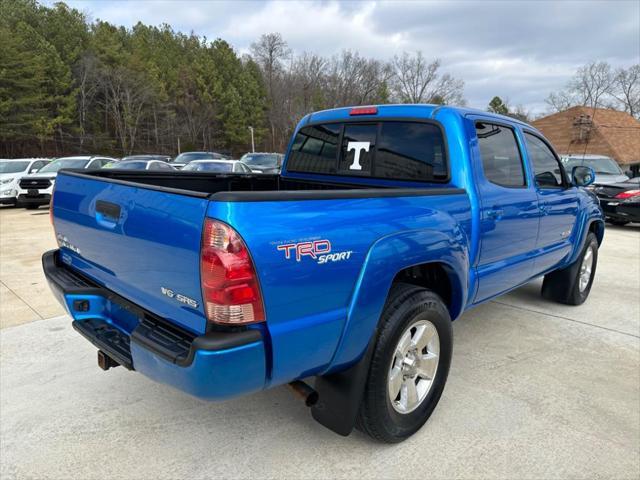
(621, 210)
(213, 366)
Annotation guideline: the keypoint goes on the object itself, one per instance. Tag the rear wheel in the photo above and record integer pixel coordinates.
(572, 285)
(409, 366)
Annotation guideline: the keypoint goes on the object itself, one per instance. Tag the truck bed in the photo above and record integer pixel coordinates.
(242, 187)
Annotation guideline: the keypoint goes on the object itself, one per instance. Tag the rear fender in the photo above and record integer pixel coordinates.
(385, 259)
(341, 388)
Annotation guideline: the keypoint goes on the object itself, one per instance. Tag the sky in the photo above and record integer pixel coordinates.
(518, 50)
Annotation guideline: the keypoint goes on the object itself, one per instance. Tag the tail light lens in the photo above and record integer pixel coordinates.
(230, 288)
(628, 194)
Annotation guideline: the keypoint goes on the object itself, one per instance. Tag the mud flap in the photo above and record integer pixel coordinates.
(340, 394)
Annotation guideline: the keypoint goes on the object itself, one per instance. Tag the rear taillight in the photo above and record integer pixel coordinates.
(628, 194)
(230, 288)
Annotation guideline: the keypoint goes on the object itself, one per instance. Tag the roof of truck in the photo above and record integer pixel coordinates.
(407, 110)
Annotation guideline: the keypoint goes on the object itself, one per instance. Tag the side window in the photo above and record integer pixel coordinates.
(314, 149)
(501, 159)
(546, 167)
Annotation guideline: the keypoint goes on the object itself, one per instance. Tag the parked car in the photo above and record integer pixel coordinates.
(217, 166)
(270, 163)
(161, 158)
(620, 201)
(607, 169)
(127, 164)
(386, 224)
(186, 157)
(11, 171)
(35, 189)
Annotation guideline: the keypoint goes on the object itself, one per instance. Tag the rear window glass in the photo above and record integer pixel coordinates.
(412, 151)
(315, 149)
(358, 144)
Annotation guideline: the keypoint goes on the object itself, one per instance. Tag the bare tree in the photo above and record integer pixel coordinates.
(87, 84)
(415, 80)
(126, 94)
(626, 89)
(269, 52)
(592, 83)
(590, 87)
(355, 80)
(559, 101)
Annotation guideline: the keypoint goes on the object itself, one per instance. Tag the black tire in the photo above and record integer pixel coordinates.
(31, 206)
(406, 305)
(619, 223)
(563, 286)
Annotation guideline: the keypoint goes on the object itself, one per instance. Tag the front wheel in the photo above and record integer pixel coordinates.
(572, 285)
(410, 364)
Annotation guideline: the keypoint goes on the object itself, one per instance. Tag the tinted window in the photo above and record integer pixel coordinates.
(130, 165)
(64, 163)
(600, 165)
(262, 159)
(13, 167)
(315, 149)
(358, 147)
(501, 160)
(410, 151)
(546, 166)
(220, 167)
(413, 151)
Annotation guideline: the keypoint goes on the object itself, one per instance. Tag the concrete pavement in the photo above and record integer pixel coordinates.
(536, 390)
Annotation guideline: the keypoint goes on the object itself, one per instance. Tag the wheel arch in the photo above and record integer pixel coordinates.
(425, 256)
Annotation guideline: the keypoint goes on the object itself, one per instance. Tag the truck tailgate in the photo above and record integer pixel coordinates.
(141, 243)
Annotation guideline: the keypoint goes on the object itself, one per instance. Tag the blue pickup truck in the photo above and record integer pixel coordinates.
(345, 271)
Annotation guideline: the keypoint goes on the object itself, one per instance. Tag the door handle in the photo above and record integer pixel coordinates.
(543, 208)
(495, 213)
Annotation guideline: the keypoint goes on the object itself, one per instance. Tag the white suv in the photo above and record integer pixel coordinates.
(35, 190)
(11, 171)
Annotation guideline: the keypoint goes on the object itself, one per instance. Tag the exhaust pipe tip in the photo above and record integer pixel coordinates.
(305, 392)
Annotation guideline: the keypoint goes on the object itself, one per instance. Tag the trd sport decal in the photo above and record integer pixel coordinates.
(318, 250)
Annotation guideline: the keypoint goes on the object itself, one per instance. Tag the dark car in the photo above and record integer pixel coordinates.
(187, 157)
(620, 201)
(263, 162)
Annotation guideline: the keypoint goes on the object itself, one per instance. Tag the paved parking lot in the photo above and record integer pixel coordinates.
(536, 390)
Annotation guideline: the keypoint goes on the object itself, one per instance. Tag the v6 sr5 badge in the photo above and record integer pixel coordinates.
(318, 250)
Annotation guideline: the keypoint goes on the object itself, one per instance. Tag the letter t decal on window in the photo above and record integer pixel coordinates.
(357, 147)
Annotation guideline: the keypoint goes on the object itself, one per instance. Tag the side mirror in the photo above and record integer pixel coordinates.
(34, 170)
(628, 173)
(583, 176)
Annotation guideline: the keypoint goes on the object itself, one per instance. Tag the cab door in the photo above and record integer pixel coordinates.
(558, 203)
(509, 210)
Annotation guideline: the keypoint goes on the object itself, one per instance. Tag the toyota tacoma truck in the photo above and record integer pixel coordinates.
(345, 271)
